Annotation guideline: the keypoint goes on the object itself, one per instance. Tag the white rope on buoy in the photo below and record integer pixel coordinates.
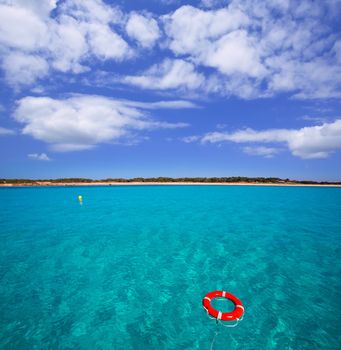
(215, 336)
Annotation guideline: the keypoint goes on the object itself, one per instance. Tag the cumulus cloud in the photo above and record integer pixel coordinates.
(21, 69)
(81, 122)
(91, 11)
(191, 30)
(80, 31)
(259, 48)
(87, 28)
(107, 44)
(215, 38)
(29, 35)
(236, 53)
(41, 8)
(143, 29)
(170, 74)
(37, 156)
(312, 142)
(68, 45)
(249, 49)
(243, 48)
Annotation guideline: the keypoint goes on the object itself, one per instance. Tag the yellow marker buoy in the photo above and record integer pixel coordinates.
(80, 198)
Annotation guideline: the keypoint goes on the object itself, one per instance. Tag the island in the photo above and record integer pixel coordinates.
(234, 180)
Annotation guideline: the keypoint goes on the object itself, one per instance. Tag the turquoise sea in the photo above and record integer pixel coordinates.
(128, 269)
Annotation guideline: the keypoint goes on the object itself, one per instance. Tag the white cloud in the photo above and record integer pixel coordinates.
(82, 121)
(84, 29)
(80, 31)
(312, 142)
(5, 131)
(259, 48)
(21, 29)
(68, 45)
(246, 48)
(217, 39)
(191, 30)
(143, 29)
(41, 8)
(266, 152)
(92, 11)
(37, 156)
(106, 44)
(170, 74)
(23, 69)
(313, 79)
(235, 53)
(94, 20)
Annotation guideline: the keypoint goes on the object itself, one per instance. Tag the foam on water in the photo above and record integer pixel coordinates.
(128, 268)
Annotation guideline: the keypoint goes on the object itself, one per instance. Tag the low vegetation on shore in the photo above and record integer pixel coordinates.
(234, 179)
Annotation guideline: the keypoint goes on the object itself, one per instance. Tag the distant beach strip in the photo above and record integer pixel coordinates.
(225, 181)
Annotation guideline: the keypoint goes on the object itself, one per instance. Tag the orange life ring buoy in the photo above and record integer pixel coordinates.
(236, 314)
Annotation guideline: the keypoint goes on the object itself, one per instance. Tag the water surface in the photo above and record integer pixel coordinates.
(128, 268)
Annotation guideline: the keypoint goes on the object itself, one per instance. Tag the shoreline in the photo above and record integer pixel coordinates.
(74, 184)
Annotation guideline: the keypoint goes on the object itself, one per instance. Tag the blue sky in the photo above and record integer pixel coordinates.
(94, 88)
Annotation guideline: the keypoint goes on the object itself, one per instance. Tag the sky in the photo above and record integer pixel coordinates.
(129, 88)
